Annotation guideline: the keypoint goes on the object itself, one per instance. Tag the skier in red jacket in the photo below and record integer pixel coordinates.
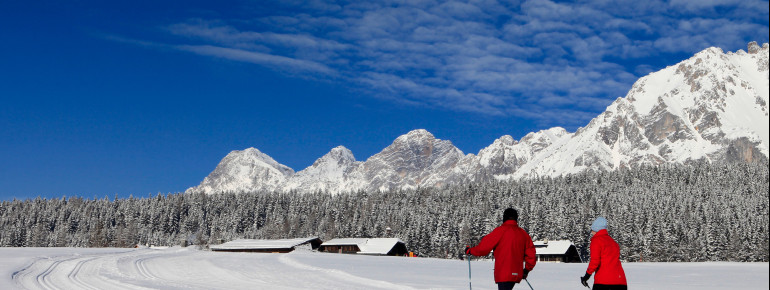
(605, 260)
(514, 251)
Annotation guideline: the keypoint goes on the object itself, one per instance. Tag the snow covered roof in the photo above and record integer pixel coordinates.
(378, 246)
(552, 247)
(243, 244)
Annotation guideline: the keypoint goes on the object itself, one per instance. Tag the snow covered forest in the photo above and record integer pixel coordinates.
(696, 212)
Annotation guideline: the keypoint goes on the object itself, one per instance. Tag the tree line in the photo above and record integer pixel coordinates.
(694, 212)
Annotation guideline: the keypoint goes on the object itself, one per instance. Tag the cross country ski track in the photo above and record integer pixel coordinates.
(184, 269)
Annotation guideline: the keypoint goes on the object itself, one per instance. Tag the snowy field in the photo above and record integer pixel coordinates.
(187, 268)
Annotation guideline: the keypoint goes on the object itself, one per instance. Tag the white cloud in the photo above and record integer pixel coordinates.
(276, 61)
(537, 58)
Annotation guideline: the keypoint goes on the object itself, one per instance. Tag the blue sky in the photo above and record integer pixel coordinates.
(105, 98)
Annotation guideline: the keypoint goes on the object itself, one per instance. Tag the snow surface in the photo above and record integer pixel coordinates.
(187, 268)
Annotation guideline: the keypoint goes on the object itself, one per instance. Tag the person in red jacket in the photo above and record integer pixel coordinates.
(605, 260)
(514, 251)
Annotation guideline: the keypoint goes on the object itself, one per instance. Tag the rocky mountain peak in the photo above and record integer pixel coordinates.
(327, 173)
(754, 47)
(545, 136)
(506, 140)
(419, 143)
(414, 159)
(339, 154)
(252, 157)
(415, 136)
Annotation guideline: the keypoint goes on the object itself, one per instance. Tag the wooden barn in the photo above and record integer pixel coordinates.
(267, 246)
(557, 251)
(363, 246)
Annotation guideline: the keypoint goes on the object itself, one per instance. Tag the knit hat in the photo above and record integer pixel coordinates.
(510, 214)
(599, 224)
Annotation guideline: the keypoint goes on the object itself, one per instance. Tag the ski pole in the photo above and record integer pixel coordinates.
(530, 285)
(469, 272)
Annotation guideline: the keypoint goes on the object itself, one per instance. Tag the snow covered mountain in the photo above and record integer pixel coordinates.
(245, 171)
(713, 106)
(329, 172)
(505, 156)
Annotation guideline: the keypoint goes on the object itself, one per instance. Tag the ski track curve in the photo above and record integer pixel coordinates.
(44, 278)
(141, 266)
(75, 277)
(40, 278)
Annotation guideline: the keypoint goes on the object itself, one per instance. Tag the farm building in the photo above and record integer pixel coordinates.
(382, 246)
(556, 251)
(267, 246)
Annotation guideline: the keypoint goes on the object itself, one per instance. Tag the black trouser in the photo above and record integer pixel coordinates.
(505, 285)
(609, 287)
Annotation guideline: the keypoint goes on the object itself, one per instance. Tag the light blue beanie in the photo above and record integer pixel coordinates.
(599, 224)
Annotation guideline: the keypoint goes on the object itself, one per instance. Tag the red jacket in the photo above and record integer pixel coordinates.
(605, 260)
(513, 248)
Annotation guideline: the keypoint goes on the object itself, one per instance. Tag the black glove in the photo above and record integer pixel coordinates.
(526, 272)
(467, 250)
(584, 280)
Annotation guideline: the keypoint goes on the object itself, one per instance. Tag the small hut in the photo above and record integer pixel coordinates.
(557, 251)
(363, 246)
(267, 246)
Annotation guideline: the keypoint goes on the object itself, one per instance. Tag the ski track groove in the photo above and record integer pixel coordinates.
(74, 275)
(24, 272)
(128, 281)
(43, 279)
(40, 278)
(141, 267)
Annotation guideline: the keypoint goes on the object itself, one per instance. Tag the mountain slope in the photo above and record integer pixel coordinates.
(712, 106)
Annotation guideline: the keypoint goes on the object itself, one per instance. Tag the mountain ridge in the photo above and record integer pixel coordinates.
(712, 106)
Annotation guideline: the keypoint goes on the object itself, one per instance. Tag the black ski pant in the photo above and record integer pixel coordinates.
(505, 285)
(609, 287)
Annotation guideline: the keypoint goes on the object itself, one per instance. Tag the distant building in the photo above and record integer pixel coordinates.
(363, 246)
(557, 251)
(267, 246)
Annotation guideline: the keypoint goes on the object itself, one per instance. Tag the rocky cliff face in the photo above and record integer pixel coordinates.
(413, 160)
(713, 106)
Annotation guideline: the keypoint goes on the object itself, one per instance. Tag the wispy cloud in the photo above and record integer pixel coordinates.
(535, 58)
(276, 61)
